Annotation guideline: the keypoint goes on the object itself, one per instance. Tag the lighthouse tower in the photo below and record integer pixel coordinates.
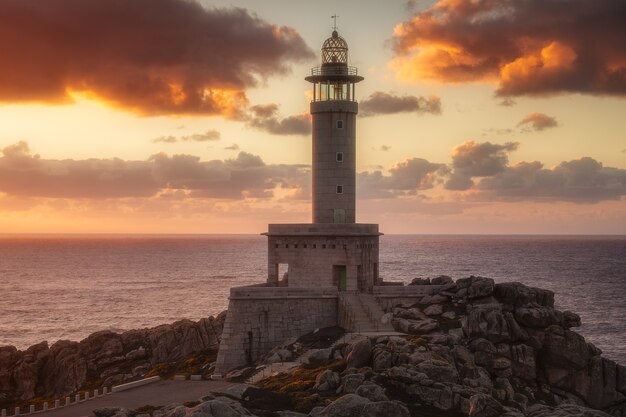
(323, 273)
(332, 251)
(333, 110)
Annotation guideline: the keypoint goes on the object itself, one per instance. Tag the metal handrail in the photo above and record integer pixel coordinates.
(335, 70)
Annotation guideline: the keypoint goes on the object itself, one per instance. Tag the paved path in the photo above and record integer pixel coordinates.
(157, 394)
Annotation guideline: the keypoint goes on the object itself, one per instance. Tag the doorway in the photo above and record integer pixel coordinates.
(339, 277)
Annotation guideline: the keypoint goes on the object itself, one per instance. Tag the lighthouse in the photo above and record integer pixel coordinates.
(333, 113)
(334, 250)
(323, 273)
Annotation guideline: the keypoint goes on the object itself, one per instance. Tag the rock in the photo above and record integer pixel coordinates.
(536, 316)
(420, 281)
(385, 409)
(319, 356)
(519, 295)
(350, 382)
(412, 314)
(290, 414)
(259, 398)
(386, 318)
(563, 410)
(352, 405)
(219, 407)
(62, 368)
(480, 287)
(483, 405)
(135, 354)
(381, 359)
(372, 392)
(434, 310)
(360, 354)
(439, 371)
(434, 299)
(441, 280)
(564, 349)
(327, 381)
(107, 411)
(487, 321)
(450, 315)
(422, 326)
(571, 320)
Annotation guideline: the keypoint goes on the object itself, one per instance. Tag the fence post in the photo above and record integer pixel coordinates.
(57, 403)
(17, 411)
(68, 401)
(32, 408)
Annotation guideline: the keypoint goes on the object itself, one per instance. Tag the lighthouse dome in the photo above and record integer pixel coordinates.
(335, 50)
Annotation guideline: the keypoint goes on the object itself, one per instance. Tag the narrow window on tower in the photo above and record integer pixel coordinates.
(339, 156)
(339, 124)
(340, 189)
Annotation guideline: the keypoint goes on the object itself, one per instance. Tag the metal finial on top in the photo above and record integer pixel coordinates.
(334, 17)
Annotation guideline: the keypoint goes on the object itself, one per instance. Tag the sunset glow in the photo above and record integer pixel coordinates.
(194, 118)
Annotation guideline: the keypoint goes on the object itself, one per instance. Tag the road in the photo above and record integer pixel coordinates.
(156, 394)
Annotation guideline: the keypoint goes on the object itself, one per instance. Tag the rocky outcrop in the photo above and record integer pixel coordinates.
(475, 348)
(103, 358)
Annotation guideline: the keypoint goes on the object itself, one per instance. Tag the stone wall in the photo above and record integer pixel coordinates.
(259, 319)
(391, 296)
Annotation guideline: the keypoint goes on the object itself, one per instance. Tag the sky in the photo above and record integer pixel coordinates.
(180, 116)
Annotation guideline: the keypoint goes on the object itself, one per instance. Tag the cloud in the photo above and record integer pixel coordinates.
(148, 56)
(405, 178)
(246, 176)
(583, 180)
(537, 122)
(265, 117)
(507, 102)
(385, 148)
(233, 147)
(532, 47)
(165, 139)
(384, 103)
(209, 135)
(471, 159)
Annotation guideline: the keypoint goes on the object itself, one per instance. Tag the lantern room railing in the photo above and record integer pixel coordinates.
(334, 70)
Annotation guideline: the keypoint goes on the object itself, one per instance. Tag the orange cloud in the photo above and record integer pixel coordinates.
(527, 47)
(147, 56)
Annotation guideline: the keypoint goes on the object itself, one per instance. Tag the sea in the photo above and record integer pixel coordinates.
(67, 287)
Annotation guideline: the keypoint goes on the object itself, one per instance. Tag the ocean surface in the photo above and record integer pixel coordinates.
(66, 287)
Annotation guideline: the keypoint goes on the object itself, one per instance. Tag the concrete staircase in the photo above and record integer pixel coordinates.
(361, 313)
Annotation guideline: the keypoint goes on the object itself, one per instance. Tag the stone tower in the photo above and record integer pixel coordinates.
(323, 273)
(334, 250)
(333, 110)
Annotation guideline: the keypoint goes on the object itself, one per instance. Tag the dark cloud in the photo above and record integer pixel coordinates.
(148, 56)
(583, 180)
(384, 103)
(265, 117)
(28, 175)
(385, 148)
(233, 147)
(471, 159)
(531, 47)
(24, 174)
(537, 121)
(405, 178)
